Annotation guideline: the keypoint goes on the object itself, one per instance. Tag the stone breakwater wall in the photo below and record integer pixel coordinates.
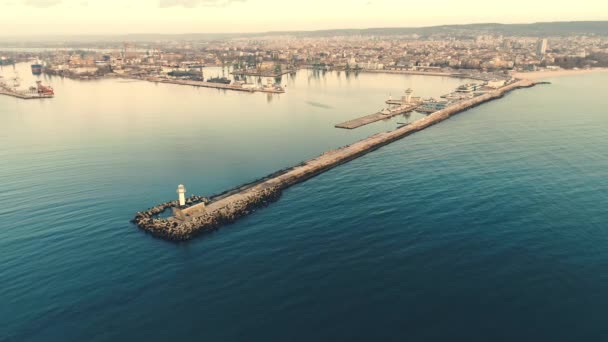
(208, 215)
(174, 229)
(149, 217)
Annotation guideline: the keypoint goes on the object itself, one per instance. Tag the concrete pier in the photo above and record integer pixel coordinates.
(368, 119)
(263, 73)
(229, 207)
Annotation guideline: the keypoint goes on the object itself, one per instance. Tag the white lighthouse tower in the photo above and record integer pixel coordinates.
(181, 190)
(408, 95)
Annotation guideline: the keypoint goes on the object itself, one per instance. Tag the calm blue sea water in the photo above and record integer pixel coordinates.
(491, 226)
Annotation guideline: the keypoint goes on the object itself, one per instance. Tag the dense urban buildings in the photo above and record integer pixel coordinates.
(273, 55)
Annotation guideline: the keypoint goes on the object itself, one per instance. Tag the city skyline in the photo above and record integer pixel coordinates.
(94, 17)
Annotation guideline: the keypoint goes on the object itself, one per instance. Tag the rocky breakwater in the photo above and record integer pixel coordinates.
(207, 215)
(151, 216)
(184, 226)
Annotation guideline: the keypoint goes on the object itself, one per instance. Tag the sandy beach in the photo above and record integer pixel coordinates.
(535, 75)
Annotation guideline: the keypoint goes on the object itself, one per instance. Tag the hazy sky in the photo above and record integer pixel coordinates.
(44, 17)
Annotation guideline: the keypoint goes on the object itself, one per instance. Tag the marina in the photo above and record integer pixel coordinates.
(381, 115)
(189, 221)
(407, 104)
(396, 107)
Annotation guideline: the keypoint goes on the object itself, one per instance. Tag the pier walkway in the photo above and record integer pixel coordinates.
(368, 119)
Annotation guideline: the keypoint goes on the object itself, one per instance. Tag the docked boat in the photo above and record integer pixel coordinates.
(191, 74)
(44, 90)
(245, 85)
(222, 80)
(468, 88)
(6, 61)
(273, 87)
(37, 68)
(432, 105)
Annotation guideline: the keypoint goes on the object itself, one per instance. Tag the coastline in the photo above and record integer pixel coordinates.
(536, 75)
(479, 77)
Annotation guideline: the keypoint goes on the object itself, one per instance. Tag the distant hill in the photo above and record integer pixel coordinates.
(543, 29)
(536, 29)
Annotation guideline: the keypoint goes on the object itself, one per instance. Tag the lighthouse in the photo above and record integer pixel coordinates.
(408, 95)
(181, 190)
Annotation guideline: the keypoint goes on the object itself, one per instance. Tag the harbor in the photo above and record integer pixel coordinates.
(407, 103)
(396, 107)
(189, 221)
(139, 207)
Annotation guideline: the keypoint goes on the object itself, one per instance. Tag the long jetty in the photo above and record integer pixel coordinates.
(211, 214)
(368, 119)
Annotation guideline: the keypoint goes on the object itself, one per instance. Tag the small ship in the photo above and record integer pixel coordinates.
(222, 80)
(37, 68)
(44, 90)
(6, 61)
(187, 74)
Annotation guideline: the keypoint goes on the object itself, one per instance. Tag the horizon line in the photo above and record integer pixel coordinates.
(299, 31)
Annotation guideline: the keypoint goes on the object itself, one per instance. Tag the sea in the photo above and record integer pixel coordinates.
(490, 226)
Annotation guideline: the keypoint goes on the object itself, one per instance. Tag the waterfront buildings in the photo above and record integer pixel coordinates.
(275, 55)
